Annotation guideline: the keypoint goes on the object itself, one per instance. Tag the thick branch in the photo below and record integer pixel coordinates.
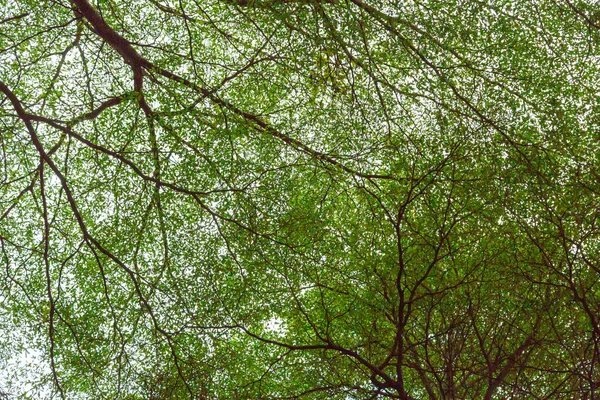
(102, 29)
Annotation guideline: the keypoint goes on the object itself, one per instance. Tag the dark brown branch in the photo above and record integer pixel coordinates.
(51, 301)
(14, 18)
(96, 112)
(115, 40)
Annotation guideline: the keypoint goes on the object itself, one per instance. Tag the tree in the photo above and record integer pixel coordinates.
(300, 199)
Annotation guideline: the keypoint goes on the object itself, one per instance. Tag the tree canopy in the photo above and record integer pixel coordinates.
(300, 199)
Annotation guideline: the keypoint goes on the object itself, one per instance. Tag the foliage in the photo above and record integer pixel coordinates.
(231, 199)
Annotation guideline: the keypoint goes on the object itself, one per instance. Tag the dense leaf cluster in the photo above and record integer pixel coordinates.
(277, 199)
